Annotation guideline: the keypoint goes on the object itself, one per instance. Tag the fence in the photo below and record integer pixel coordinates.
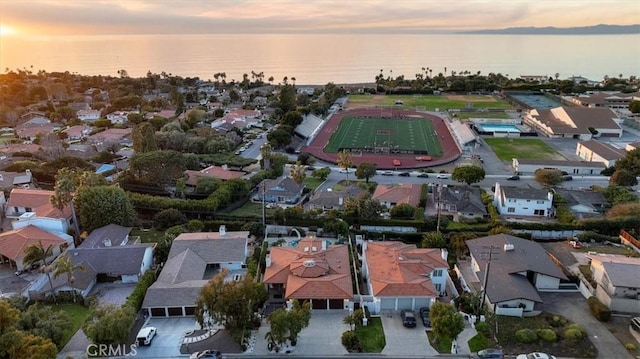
(630, 240)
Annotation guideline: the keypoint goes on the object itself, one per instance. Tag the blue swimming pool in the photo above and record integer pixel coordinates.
(294, 243)
(490, 127)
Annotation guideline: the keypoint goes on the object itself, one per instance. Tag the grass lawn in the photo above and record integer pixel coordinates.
(442, 345)
(478, 342)
(250, 209)
(467, 115)
(429, 102)
(312, 183)
(530, 149)
(77, 313)
(148, 236)
(372, 336)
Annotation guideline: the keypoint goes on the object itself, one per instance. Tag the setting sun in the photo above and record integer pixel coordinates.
(6, 30)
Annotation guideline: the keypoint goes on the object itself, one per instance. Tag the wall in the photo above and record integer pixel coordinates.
(546, 282)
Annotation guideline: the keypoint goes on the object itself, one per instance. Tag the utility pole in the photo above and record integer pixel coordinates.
(486, 277)
(438, 204)
(264, 206)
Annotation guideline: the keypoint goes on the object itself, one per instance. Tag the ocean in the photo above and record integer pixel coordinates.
(317, 59)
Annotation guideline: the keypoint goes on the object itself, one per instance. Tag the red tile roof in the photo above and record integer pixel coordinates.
(309, 272)
(13, 243)
(398, 269)
(399, 193)
(212, 172)
(39, 201)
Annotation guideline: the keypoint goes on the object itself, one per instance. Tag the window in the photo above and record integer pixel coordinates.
(528, 200)
(438, 286)
(511, 210)
(437, 273)
(540, 202)
(28, 209)
(538, 212)
(512, 200)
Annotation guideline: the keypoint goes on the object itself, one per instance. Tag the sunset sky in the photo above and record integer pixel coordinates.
(96, 17)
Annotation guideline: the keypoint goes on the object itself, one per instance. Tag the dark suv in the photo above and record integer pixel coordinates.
(408, 318)
(488, 354)
(424, 314)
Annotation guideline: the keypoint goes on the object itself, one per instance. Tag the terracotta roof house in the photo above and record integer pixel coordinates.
(327, 200)
(596, 151)
(575, 122)
(391, 195)
(75, 133)
(33, 206)
(518, 269)
(13, 244)
(462, 201)
(311, 271)
(283, 190)
(618, 281)
(239, 118)
(110, 135)
(30, 133)
(195, 258)
(400, 276)
(220, 172)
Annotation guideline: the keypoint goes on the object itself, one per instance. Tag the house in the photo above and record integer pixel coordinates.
(311, 271)
(195, 258)
(542, 79)
(614, 100)
(283, 190)
(34, 207)
(462, 201)
(88, 115)
(523, 201)
(239, 118)
(32, 132)
(575, 122)
(112, 135)
(583, 203)
(518, 269)
(400, 276)
(9, 180)
(220, 172)
(394, 194)
(596, 151)
(120, 117)
(13, 244)
(573, 167)
(330, 199)
(632, 146)
(618, 281)
(77, 133)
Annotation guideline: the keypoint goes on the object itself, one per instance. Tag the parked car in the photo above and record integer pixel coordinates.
(408, 318)
(345, 170)
(208, 354)
(405, 174)
(567, 178)
(311, 168)
(387, 173)
(424, 314)
(488, 354)
(513, 178)
(574, 243)
(145, 335)
(442, 176)
(535, 355)
(423, 175)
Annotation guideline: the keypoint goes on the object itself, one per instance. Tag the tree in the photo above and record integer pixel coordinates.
(433, 240)
(168, 218)
(287, 324)
(468, 174)
(31, 346)
(109, 324)
(365, 170)
(630, 162)
(44, 321)
(144, 138)
(629, 209)
(102, 205)
(306, 159)
(280, 137)
(265, 152)
(64, 266)
(298, 173)
(38, 253)
(158, 167)
(548, 177)
(403, 210)
(292, 119)
(321, 173)
(287, 99)
(64, 192)
(9, 316)
(345, 162)
(623, 177)
(617, 195)
(634, 106)
(446, 321)
(230, 303)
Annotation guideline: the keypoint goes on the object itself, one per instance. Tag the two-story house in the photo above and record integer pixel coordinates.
(523, 201)
(618, 281)
(282, 190)
(394, 194)
(33, 207)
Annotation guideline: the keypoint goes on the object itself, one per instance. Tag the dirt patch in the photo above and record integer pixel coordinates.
(471, 98)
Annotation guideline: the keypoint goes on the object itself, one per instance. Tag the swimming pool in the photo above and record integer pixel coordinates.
(294, 243)
(490, 127)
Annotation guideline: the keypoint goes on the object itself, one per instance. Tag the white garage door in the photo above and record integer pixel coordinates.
(405, 303)
(388, 303)
(422, 302)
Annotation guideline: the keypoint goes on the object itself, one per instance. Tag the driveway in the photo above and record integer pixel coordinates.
(112, 293)
(574, 307)
(166, 343)
(403, 341)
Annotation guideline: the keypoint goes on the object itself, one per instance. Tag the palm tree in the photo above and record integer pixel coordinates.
(63, 265)
(37, 253)
(65, 187)
(298, 173)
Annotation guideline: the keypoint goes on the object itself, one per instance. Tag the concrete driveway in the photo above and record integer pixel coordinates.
(403, 341)
(166, 343)
(574, 307)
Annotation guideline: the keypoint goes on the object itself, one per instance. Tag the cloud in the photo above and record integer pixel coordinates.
(275, 16)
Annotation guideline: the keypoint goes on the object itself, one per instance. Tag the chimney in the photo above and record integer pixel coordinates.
(508, 247)
(222, 230)
(268, 260)
(444, 253)
(340, 201)
(324, 245)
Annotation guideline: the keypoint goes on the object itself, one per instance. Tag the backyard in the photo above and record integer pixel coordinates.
(530, 149)
(429, 102)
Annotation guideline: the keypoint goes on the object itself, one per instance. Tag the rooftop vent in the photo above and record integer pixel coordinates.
(309, 263)
(314, 249)
(107, 242)
(306, 249)
(508, 247)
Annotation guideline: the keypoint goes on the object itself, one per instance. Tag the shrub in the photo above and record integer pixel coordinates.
(526, 336)
(573, 334)
(168, 218)
(351, 342)
(630, 347)
(483, 328)
(599, 310)
(547, 335)
(578, 327)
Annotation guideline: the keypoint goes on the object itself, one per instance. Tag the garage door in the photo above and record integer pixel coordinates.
(422, 302)
(319, 303)
(336, 304)
(405, 303)
(388, 303)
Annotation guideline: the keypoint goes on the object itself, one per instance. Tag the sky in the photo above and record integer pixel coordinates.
(111, 17)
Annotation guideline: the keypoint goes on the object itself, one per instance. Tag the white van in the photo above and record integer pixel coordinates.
(145, 335)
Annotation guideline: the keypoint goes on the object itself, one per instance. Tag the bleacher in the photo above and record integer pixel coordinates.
(309, 125)
(462, 132)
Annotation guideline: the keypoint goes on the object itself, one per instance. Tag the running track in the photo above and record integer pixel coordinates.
(382, 161)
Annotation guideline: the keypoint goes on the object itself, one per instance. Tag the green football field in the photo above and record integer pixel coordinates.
(401, 134)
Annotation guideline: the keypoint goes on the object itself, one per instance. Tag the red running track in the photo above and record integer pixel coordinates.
(451, 152)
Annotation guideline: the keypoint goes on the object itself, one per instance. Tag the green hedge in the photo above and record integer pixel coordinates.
(134, 300)
(598, 309)
(526, 336)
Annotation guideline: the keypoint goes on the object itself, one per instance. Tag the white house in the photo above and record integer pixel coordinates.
(596, 151)
(120, 117)
(523, 201)
(33, 207)
(618, 281)
(88, 115)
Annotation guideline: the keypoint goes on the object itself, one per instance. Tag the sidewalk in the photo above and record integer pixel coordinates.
(464, 337)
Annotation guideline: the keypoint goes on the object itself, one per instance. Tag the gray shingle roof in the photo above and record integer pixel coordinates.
(120, 260)
(526, 256)
(112, 232)
(525, 193)
(284, 186)
(466, 199)
(623, 274)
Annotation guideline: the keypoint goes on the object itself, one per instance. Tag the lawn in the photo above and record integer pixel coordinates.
(401, 134)
(478, 342)
(430, 102)
(442, 345)
(148, 235)
(77, 313)
(372, 336)
(312, 183)
(530, 149)
(467, 115)
(250, 210)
